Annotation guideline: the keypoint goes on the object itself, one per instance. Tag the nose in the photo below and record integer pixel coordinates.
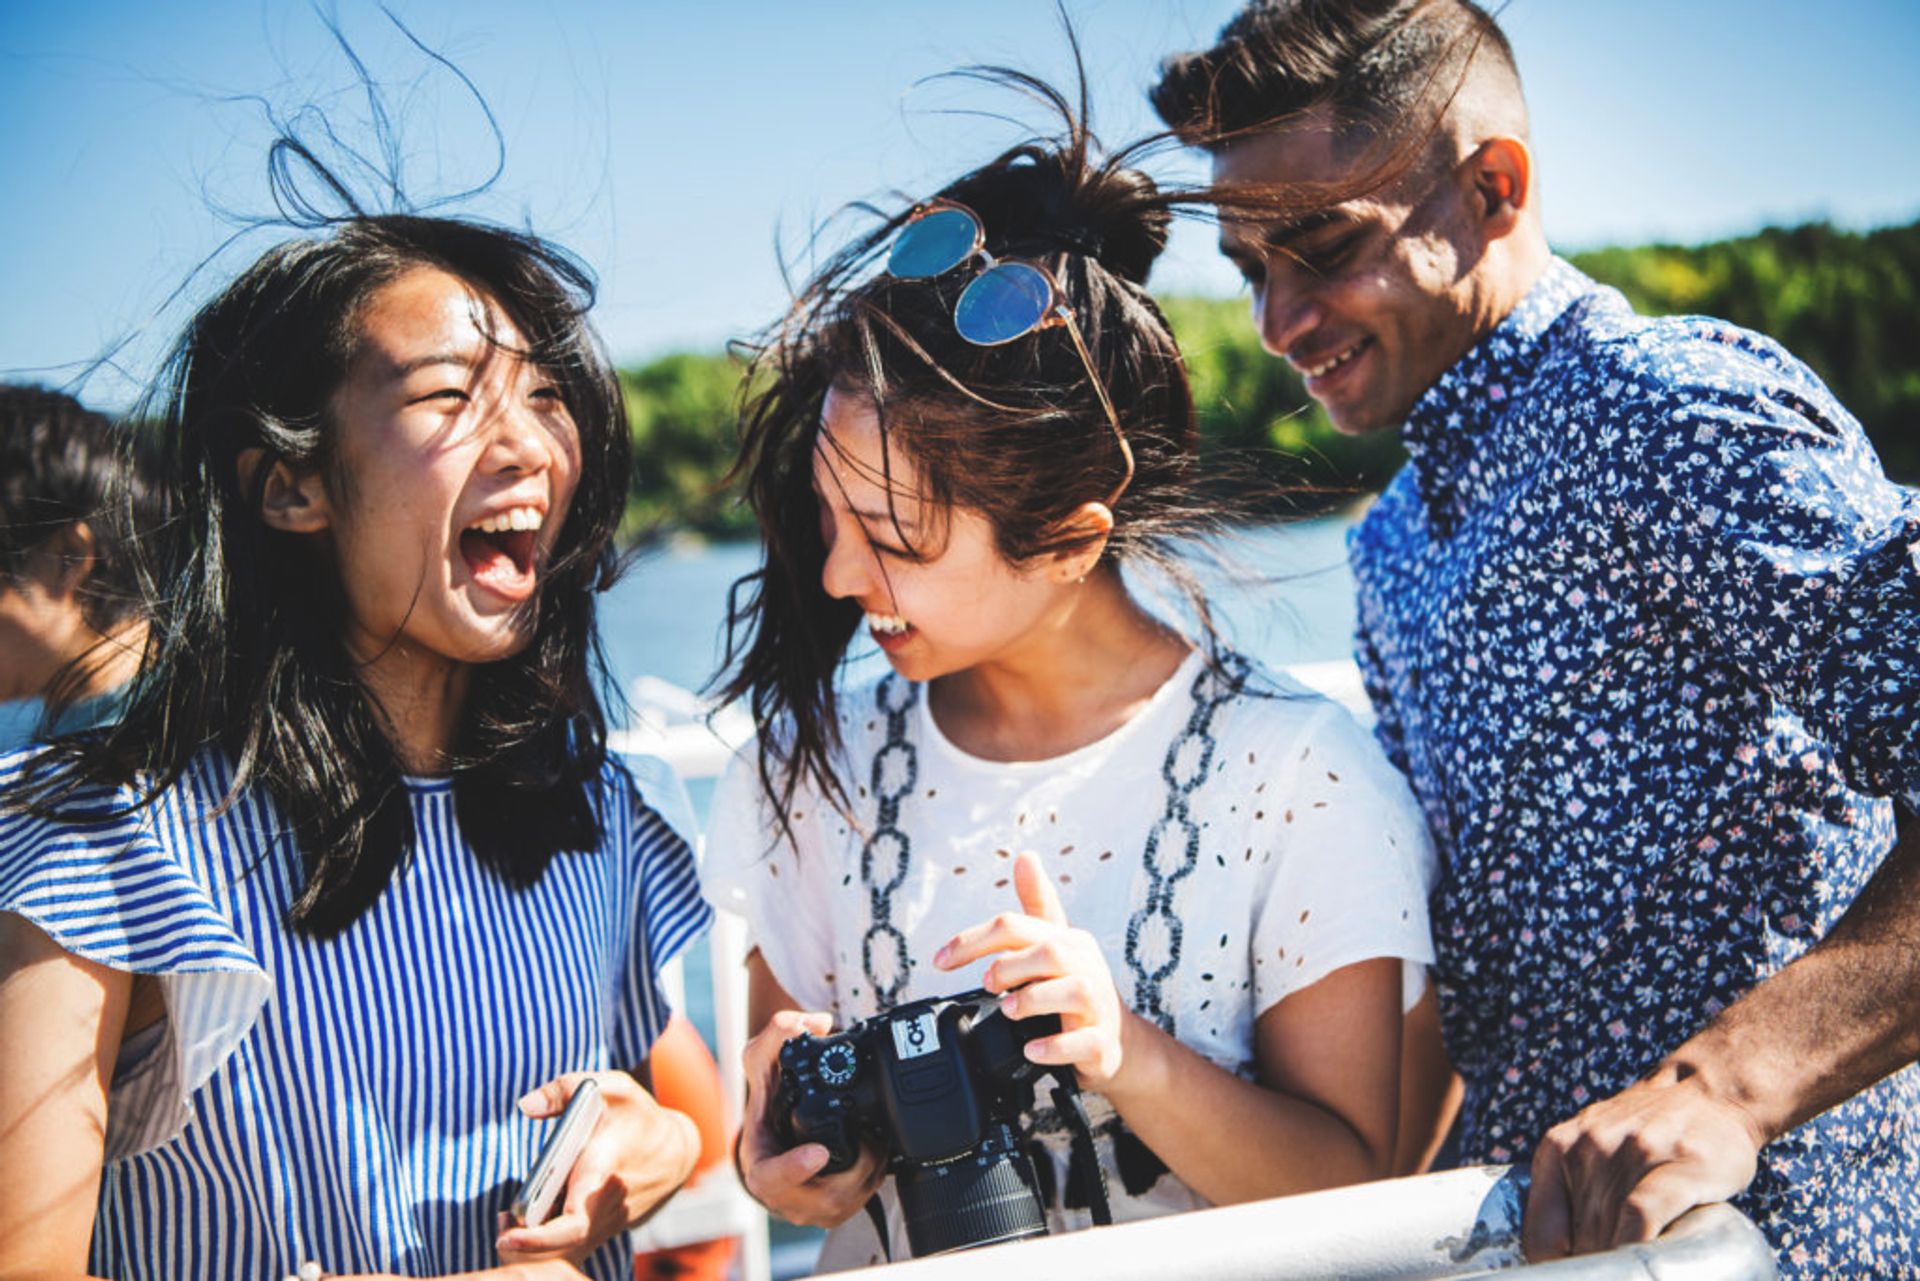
(847, 573)
(1284, 312)
(521, 435)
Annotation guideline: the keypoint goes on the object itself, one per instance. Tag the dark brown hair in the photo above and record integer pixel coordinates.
(61, 463)
(1014, 432)
(1386, 71)
(246, 654)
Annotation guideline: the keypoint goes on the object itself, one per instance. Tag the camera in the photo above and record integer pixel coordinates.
(937, 1086)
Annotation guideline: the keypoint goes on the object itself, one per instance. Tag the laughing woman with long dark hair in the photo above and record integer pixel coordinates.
(282, 950)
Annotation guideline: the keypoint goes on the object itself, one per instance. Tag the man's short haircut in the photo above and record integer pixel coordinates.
(1385, 69)
(61, 463)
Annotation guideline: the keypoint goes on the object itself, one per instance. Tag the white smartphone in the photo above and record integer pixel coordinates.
(548, 1177)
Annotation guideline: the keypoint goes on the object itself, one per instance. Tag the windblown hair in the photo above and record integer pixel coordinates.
(1014, 432)
(246, 651)
(1387, 71)
(62, 464)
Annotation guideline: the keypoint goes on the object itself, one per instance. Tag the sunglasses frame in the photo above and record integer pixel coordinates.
(1055, 314)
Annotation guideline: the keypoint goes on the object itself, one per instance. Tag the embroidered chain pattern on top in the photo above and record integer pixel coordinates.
(884, 857)
(1173, 842)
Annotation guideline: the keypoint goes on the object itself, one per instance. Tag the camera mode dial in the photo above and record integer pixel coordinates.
(838, 1064)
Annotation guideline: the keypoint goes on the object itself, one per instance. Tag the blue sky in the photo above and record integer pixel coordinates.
(667, 141)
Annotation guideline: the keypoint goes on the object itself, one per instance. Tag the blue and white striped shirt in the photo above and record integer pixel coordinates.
(350, 1101)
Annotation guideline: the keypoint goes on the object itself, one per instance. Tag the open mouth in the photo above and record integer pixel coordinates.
(890, 630)
(1324, 370)
(500, 551)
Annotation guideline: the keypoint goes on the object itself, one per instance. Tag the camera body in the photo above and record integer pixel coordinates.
(938, 1086)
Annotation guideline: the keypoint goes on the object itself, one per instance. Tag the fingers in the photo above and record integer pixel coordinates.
(1546, 1232)
(776, 1174)
(1005, 932)
(561, 1235)
(1039, 909)
(761, 1062)
(1625, 1168)
(1037, 895)
(1083, 1047)
(763, 1048)
(550, 1099)
(1069, 996)
(791, 1185)
(1064, 955)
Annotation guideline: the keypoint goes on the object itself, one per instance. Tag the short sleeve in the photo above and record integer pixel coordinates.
(1765, 518)
(671, 914)
(752, 869)
(103, 887)
(1355, 869)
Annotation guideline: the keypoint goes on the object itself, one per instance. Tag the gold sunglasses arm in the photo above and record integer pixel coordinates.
(1106, 402)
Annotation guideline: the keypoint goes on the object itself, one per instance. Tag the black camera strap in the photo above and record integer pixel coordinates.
(1067, 1098)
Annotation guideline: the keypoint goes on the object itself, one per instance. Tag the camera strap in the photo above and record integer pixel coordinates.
(878, 1213)
(1067, 1098)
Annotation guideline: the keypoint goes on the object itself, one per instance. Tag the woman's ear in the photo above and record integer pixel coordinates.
(1092, 522)
(295, 502)
(75, 554)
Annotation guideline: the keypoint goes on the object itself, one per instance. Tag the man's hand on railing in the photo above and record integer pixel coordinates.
(1628, 1166)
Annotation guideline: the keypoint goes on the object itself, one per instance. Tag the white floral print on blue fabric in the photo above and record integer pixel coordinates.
(1642, 622)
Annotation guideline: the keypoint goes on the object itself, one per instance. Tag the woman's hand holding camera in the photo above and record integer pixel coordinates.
(1058, 970)
(639, 1155)
(788, 1180)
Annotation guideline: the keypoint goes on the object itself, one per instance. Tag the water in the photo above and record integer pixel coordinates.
(1291, 601)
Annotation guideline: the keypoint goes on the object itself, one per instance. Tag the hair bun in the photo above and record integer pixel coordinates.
(1045, 198)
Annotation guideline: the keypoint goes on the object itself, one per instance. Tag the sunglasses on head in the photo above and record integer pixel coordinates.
(1009, 299)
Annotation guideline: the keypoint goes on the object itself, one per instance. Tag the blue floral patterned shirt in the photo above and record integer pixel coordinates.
(1641, 619)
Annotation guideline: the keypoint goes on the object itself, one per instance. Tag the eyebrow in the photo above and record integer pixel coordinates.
(1280, 235)
(886, 519)
(405, 367)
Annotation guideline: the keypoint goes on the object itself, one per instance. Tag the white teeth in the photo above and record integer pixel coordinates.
(511, 519)
(1316, 371)
(888, 624)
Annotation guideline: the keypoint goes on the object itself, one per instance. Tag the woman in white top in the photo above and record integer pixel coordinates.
(1212, 876)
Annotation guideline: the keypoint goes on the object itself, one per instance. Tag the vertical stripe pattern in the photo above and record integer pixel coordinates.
(348, 1101)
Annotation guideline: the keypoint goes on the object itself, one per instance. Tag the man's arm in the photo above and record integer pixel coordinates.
(1821, 1030)
(1769, 524)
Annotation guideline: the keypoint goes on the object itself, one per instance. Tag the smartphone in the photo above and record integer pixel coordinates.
(544, 1183)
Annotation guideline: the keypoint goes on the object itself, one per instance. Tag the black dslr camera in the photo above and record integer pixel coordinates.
(938, 1087)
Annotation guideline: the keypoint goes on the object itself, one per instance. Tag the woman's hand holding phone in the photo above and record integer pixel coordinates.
(637, 1156)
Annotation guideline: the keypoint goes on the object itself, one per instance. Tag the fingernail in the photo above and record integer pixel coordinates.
(940, 957)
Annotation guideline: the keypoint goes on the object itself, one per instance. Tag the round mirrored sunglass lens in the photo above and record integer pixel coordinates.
(935, 243)
(1004, 301)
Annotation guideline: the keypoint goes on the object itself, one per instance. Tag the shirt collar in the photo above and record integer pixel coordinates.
(1474, 394)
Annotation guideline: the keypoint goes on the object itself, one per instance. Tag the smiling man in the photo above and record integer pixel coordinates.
(1641, 619)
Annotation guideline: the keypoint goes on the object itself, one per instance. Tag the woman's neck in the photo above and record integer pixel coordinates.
(106, 661)
(1086, 670)
(421, 697)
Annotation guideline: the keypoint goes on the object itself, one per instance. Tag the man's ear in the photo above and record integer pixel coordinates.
(1094, 523)
(295, 502)
(1500, 175)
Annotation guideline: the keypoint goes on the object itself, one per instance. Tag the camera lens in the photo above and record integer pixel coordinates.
(984, 1198)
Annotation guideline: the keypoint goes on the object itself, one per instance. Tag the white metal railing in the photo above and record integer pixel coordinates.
(1460, 1223)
